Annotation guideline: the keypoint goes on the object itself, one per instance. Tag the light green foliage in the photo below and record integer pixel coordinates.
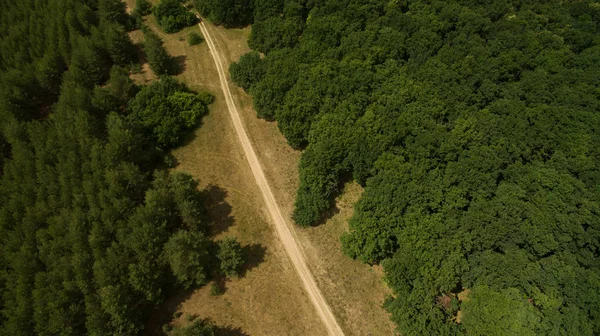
(172, 16)
(231, 256)
(194, 38)
(187, 254)
(487, 312)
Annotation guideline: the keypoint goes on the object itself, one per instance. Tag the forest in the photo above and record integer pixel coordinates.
(473, 127)
(95, 231)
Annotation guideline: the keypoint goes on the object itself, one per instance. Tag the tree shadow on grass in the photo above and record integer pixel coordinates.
(229, 331)
(178, 65)
(255, 255)
(140, 54)
(164, 313)
(217, 210)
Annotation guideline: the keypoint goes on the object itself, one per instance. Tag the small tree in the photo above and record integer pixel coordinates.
(197, 328)
(142, 8)
(194, 39)
(187, 254)
(231, 256)
(159, 59)
(172, 16)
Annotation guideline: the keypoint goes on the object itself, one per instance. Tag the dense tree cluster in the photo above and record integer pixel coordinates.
(41, 40)
(172, 16)
(166, 110)
(230, 13)
(87, 224)
(474, 128)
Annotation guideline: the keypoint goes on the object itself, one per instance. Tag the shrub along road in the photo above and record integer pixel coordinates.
(281, 225)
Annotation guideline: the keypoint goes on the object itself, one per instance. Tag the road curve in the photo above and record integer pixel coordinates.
(281, 225)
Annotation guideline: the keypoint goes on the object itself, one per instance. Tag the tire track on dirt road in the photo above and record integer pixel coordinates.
(281, 225)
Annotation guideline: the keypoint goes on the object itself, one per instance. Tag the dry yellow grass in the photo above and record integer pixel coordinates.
(354, 291)
(269, 299)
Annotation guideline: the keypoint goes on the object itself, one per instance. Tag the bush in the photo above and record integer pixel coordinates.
(172, 16)
(215, 290)
(206, 98)
(231, 257)
(198, 328)
(194, 39)
(142, 8)
(165, 111)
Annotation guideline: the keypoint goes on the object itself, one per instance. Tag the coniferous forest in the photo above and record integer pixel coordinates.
(474, 127)
(93, 233)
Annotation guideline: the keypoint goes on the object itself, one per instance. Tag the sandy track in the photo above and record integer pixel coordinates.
(281, 225)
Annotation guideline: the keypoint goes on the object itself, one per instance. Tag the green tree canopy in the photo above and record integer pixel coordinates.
(187, 254)
(172, 16)
(231, 256)
(473, 128)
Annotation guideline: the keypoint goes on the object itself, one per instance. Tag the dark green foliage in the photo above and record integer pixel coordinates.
(172, 16)
(84, 220)
(114, 11)
(116, 42)
(231, 257)
(273, 33)
(159, 59)
(473, 127)
(194, 39)
(230, 13)
(187, 254)
(248, 70)
(264, 9)
(98, 228)
(142, 8)
(115, 94)
(165, 111)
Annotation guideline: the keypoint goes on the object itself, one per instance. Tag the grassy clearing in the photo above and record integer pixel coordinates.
(269, 299)
(354, 291)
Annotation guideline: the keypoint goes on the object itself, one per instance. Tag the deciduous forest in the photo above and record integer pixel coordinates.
(94, 231)
(473, 127)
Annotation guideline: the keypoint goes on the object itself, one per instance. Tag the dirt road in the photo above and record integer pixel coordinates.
(283, 229)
